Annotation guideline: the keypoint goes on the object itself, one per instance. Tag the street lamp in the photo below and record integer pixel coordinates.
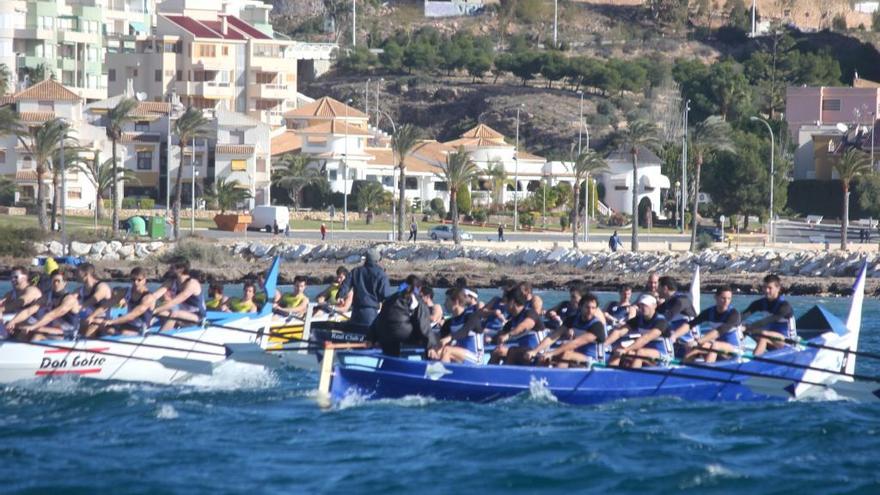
(581, 123)
(516, 174)
(379, 114)
(174, 106)
(345, 166)
(677, 192)
(64, 191)
(770, 231)
(684, 159)
(195, 174)
(544, 202)
(587, 206)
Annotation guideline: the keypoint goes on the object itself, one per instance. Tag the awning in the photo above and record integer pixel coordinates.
(137, 28)
(655, 181)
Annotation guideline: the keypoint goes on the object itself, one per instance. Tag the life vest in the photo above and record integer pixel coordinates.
(473, 342)
(292, 301)
(194, 303)
(333, 292)
(214, 303)
(494, 323)
(84, 311)
(595, 349)
(731, 336)
(643, 327)
(142, 322)
(530, 339)
(619, 311)
(236, 305)
(68, 323)
(785, 326)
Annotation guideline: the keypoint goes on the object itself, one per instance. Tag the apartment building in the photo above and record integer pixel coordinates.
(242, 153)
(210, 60)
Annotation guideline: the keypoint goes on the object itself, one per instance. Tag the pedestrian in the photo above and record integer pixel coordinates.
(614, 242)
(275, 229)
(323, 232)
(867, 236)
(500, 232)
(287, 230)
(370, 287)
(413, 230)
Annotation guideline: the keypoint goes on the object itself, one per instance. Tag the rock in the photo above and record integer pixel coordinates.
(353, 259)
(98, 248)
(110, 256)
(556, 255)
(155, 246)
(141, 251)
(258, 250)
(55, 249)
(126, 251)
(113, 247)
(79, 248)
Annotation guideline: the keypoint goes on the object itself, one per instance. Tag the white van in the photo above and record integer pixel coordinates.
(265, 218)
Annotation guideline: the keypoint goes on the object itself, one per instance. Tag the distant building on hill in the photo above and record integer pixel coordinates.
(453, 8)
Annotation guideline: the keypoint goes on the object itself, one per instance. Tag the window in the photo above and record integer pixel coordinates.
(141, 126)
(441, 186)
(27, 163)
(412, 183)
(387, 180)
(831, 105)
(134, 72)
(46, 106)
(225, 50)
(239, 165)
(158, 75)
(207, 51)
(74, 193)
(372, 178)
(169, 73)
(111, 75)
(261, 165)
(170, 47)
(621, 188)
(236, 137)
(180, 75)
(144, 160)
(331, 175)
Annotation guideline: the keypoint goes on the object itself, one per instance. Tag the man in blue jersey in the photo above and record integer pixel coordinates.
(461, 338)
(644, 333)
(139, 304)
(588, 326)
(771, 331)
(677, 309)
(719, 329)
(560, 313)
(522, 332)
(622, 309)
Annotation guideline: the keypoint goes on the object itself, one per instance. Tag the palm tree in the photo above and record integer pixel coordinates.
(226, 194)
(191, 125)
(114, 121)
(71, 160)
(370, 197)
(850, 165)
(498, 175)
(637, 135)
(403, 141)
(588, 162)
(293, 172)
(5, 79)
(458, 172)
(42, 143)
(100, 174)
(707, 138)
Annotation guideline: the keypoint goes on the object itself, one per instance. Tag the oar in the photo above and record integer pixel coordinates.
(807, 343)
(760, 359)
(226, 327)
(195, 366)
(155, 346)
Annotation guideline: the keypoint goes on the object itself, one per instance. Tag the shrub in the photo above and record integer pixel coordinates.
(617, 219)
(134, 203)
(564, 222)
(480, 216)
(205, 252)
(19, 243)
(438, 207)
(704, 241)
(463, 199)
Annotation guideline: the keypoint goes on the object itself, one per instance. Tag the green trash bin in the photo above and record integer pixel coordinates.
(137, 226)
(157, 227)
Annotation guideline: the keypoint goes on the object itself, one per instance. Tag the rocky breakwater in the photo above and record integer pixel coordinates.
(102, 250)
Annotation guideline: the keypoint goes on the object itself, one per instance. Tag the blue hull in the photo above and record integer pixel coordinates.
(375, 376)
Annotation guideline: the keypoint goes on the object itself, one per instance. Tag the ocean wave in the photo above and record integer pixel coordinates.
(166, 411)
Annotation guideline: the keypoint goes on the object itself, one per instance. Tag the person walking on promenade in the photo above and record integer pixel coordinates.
(501, 232)
(614, 242)
(413, 230)
(323, 232)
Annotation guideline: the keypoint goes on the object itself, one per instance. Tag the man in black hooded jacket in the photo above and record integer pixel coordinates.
(404, 319)
(370, 286)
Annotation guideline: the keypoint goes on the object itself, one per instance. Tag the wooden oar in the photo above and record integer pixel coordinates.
(195, 366)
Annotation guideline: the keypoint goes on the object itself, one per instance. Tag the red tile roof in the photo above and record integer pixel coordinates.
(236, 28)
(48, 89)
(247, 28)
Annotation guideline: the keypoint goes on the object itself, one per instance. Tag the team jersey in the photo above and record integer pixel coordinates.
(639, 326)
(726, 323)
(531, 338)
(473, 341)
(594, 326)
(781, 309)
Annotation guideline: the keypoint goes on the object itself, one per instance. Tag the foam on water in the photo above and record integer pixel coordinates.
(232, 375)
(539, 391)
(166, 411)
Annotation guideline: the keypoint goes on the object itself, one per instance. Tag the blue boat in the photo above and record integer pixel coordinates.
(817, 369)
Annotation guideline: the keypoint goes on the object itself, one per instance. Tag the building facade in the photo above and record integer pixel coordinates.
(650, 188)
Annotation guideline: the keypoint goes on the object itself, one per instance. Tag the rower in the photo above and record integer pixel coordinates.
(495, 311)
(588, 325)
(646, 329)
(369, 285)
(55, 315)
(719, 326)
(566, 309)
(435, 310)
(329, 297)
(139, 304)
(94, 296)
(260, 296)
(217, 301)
(20, 296)
(772, 330)
(187, 299)
(403, 319)
(461, 338)
(622, 309)
(246, 304)
(296, 303)
(533, 301)
(473, 301)
(677, 309)
(522, 332)
(652, 286)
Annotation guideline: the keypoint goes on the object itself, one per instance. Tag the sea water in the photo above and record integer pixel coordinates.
(263, 432)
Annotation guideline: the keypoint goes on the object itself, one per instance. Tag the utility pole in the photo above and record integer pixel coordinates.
(684, 160)
(354, 23)
(516, 175)
(754, 18)
(555, 22)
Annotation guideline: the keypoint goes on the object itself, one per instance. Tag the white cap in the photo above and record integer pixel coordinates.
(471, 293)
(647, 300)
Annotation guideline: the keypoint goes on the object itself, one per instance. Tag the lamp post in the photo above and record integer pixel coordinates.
(516, 174)
(192, 220)
(174, 106)
(381, 80)
(555, 22)
(684, 159)
(544, 203)
(379, 114)
(873, 128)
(587, 205)
(581, 122)
(345, 168)
(770, 231)
(367, 100)
(353, 23)
(677, 191)
(63, 193)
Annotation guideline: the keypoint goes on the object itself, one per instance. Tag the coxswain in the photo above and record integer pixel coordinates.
(138, 303)
(719, 329)
(557, 316)
(771, 331)
(461, 338)
(622, 309)
(645, 332)
(216, 300)
(94, 298)
(185, 301)
(56, 314)
(678, 309)
(434, 309)
(587, 324)
(296, 303)
(22, 295)
(403, 319)
(522, 332)
(369, 286)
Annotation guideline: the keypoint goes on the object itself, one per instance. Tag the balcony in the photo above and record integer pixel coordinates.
(272, 91)
(212, 63)
(206, 89)
(80, 37)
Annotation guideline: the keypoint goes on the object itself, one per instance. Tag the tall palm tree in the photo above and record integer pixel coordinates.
(498, 175)
(72, 159)
(42, 143)
(293, 172)
(191, 125)
(403, 141)
(850, 165)
(370, 197)
(458, 172)
(587, 163)
(706, 138)
(227, 194)
(637, 135)
(100, 174)
(114, 122)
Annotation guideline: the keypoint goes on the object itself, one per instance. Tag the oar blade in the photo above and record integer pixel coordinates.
(857, 391)
(250, 353)
(774, 387)
(194, 366)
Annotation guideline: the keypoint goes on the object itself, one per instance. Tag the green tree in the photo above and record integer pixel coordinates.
(848, 166)
(402, 142)
(100, 174)
(498, 176)
(359, 59)
(190, 126)
(370, 197)
(42, 143)
(5, 79)
(637, 135)
(458, 172)
(586, 164)
(392, 56)
(115, 120)
(463, 201)
(554, 66)
(227, 194)
(478, 65)
(7, 191)
(294, 172)
(708, 137)
(738, 15)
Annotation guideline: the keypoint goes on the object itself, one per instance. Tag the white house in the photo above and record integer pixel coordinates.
(618, 182)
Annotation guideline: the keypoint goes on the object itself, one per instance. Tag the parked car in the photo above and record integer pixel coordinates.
(266, 217)
(444, 233)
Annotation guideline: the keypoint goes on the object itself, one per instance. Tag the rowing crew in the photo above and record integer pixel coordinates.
(657, 327)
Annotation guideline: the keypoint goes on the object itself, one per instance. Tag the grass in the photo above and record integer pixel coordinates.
(82, 223)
